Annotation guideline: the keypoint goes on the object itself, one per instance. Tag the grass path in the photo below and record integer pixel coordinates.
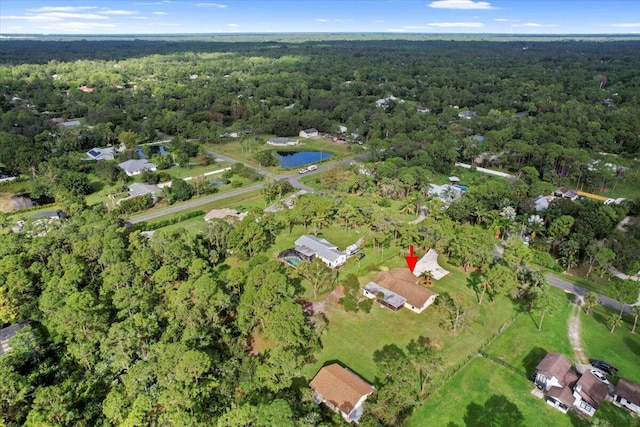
(574, 335)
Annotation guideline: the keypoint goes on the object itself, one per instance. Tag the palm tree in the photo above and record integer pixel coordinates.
(589, 301)
(427, 278)
(615, 320)
(636, 312)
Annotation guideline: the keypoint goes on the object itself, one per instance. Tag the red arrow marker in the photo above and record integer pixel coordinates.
(411, 260)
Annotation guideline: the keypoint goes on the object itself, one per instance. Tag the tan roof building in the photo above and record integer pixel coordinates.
(341, 390)
(400, 288)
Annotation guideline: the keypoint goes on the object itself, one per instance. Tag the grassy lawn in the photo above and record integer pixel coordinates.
(240, 202)
(621, 348)
(352, 338)
(513, 356)
(488, 390)
(178, 172)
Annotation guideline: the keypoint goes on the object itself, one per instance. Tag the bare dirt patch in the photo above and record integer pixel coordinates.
(10, 202)
(574, 335)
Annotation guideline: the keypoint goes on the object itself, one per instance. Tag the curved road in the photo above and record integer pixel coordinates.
(294, 179)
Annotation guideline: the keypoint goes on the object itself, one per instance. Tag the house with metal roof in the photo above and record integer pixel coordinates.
(101, 153)
(136, 166)
(308, 245)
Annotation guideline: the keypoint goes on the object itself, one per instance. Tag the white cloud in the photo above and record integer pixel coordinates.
(501, 20)
(322, 20)
(117, 12)
(533, 25)
(460, 4)
(233, 25)
(456, 24)
(627, 25)
(217, 5)
(55, 16)
(77, 26)
(61, 9)
(159, 13)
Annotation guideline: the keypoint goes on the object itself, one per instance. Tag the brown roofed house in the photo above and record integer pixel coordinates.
(627, 395)
(554, 375)
(589, 393)
(341, 390)
(400, 284)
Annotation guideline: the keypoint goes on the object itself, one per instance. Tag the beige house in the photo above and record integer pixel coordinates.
(399, 288)
(341, 390)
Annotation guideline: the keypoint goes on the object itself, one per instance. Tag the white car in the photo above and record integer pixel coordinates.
(599, 375)
(303, 171)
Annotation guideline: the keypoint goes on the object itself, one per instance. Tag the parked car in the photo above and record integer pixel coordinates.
(303, 171)
(599, 375)
(361, 255)
(604, 366)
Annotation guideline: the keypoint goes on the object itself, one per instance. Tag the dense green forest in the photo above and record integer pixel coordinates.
(167, 330)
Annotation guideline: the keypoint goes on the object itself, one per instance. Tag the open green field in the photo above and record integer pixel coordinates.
(507, 363)
(352, 338)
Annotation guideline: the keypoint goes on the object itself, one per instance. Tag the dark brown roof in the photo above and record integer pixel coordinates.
(554, 365)
(341, 387)
(563, 394)
(592, 390)
(403, 282)
(628, 390)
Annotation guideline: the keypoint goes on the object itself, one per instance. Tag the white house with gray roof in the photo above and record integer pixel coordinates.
(136, 167)
(314, 246)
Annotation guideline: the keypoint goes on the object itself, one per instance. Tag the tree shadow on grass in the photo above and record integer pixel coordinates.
(473, 283)
(532, 359)
(498, 411)
(633, 345)
(600, 318)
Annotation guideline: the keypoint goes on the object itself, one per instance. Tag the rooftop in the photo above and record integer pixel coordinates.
(341, 387)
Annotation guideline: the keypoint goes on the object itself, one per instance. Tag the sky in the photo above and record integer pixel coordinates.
(265, 16)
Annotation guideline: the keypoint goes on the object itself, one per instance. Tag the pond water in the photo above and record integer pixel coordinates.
(293, 159)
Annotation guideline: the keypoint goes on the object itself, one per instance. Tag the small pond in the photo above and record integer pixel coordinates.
(293, 159)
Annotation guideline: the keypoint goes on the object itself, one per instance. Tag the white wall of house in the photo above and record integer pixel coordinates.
(547, 382)
(621, 401)
(420, 309)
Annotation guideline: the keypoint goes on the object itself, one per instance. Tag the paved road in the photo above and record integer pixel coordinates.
(577, 290)
(294, 179)
(195, 203)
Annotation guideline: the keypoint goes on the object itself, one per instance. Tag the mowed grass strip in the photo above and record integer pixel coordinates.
(486, 393)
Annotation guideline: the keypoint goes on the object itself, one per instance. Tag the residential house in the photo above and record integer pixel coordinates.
(71, 124)
(565, 193)
(312, 246)
(225, 213)
(7, 333)
(101, 153)
(467, 114)
(386, 102)
(58, 214)
(422, 109)
(399, 288)
(283, 141)
(589, 393)
(309, 133)
(555, 377)
(341, 390)
(478, 137)
(627, 395)
(136, 167)
(342, 129)
(454, 180)
(140, 189)
(541, 203)
(447, 192)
